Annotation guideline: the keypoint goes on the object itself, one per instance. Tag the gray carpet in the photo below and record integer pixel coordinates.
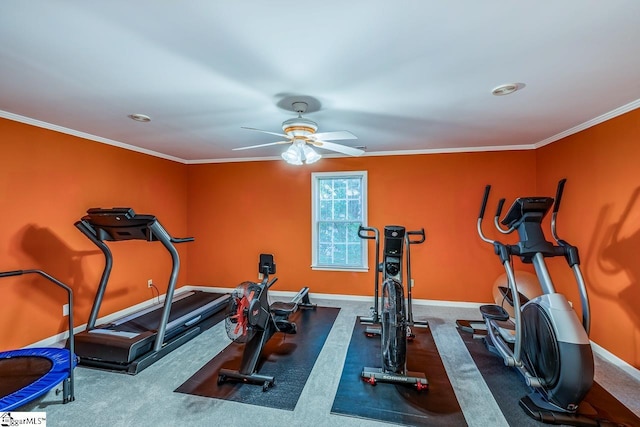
(148, 399)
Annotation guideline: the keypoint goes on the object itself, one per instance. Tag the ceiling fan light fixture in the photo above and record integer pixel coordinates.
(292, 155)
(310, 155)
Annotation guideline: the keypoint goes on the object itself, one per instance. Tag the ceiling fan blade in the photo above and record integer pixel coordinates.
(333, 136)
(338, 147)
(261, 145)
(266, 131)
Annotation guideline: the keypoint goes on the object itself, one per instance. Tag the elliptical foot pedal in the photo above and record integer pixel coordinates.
(494, 312)
(540, 410)
(476, 327)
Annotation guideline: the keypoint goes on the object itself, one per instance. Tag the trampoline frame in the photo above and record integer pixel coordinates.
(63, 360)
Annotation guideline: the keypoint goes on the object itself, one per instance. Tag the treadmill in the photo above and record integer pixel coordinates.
(132, 343)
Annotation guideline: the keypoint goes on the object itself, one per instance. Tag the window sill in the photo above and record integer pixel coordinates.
(345, 269)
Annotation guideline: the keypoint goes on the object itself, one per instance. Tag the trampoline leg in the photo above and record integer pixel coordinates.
(66, 393)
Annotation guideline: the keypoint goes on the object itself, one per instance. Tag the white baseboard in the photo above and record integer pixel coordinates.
(616, 361)
(56, 340)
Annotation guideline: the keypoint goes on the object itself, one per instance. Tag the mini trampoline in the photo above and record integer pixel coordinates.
(29, 373)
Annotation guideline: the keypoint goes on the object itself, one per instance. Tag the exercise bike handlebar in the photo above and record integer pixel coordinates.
(363, 232)
(420, 233)
(271, 282)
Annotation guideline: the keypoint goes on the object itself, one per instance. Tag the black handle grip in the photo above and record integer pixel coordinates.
(559, 192)
(500, 206)
(182, 239)
(271, 282)
(363, 232)
(416, 233)
(11, 273)
(484, 201)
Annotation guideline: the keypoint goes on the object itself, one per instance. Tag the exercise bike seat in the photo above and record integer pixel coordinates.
(283, 308)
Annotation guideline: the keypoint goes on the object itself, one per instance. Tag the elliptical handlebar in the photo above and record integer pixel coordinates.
(556, 207)
(496, 219)
(559, 192)
(485, 198)
(500, 206)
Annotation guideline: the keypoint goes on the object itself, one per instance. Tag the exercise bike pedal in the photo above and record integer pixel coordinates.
(420, 386)
(370, 380)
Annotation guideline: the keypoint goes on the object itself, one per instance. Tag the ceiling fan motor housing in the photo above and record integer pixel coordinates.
(299, 126)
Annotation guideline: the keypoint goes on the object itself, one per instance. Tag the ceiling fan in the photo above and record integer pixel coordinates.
(301, 134)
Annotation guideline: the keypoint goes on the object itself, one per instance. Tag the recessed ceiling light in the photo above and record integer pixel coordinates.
(140, 118)
(507, 89)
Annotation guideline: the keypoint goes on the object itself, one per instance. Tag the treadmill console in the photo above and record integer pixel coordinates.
(120, 224)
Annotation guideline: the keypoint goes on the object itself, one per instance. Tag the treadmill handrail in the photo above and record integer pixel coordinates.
(144, 225)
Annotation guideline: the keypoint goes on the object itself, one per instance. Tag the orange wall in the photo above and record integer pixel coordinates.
(47, 181)
(600, 214)
(239, 210)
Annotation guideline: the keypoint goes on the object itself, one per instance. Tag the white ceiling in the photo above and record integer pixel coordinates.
(403, 75)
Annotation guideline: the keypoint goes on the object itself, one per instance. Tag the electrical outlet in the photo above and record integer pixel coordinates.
(149, 283)
(412, 283)
(65, 310)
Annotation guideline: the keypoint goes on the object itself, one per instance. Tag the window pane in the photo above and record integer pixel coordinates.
(325, 253)
(353, 188)
(354, 254)
(325, 232)
(352, 233)
(340, 254)
(326, 189)
(326, 208)
(340, 188)
(354, 212)
(339, 209)
(340, 232)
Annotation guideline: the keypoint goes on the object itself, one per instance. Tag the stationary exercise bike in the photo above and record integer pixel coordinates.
(396, 318)
(374, 318)
(252, 321)
(545, 341)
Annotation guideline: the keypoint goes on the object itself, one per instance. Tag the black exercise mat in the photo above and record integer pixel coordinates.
(396, 403)
(508, 387)
(289, 358)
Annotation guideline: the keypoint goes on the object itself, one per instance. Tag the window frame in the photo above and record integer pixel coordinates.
(316, 177)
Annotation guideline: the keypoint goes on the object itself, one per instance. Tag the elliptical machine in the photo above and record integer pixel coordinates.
(253, 321)
(545, 342)
(396, 317)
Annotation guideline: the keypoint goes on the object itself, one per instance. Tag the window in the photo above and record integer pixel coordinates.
(338, 206)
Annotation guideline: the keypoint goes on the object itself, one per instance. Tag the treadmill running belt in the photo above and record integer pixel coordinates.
(184, 306)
